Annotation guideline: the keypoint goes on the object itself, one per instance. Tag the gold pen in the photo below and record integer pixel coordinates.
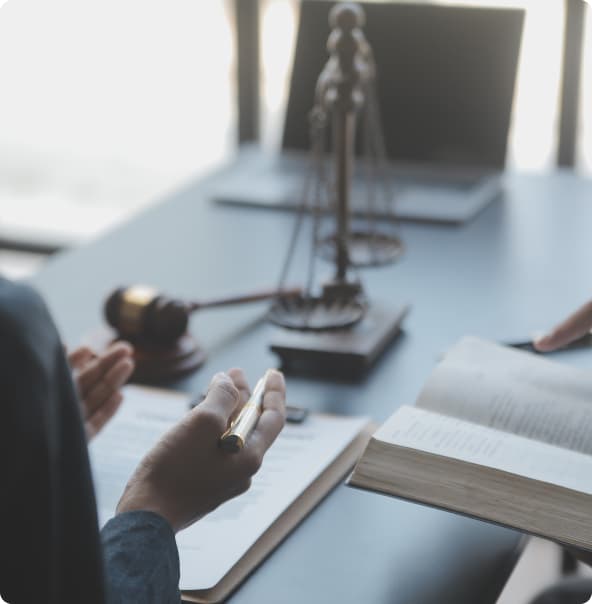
(235, 438)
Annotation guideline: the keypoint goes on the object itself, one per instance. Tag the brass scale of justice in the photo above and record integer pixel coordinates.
(332, 324)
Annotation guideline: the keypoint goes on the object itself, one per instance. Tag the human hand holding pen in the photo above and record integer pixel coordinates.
(574, 327)
(237, 435)
(187, 474)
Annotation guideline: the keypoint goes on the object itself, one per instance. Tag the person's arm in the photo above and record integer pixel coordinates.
(141, 559)
(49, 541)
(183, 478)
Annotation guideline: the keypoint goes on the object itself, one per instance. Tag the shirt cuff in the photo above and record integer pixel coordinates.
(141, 559)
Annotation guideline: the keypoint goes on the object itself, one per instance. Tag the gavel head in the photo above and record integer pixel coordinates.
(141, 315)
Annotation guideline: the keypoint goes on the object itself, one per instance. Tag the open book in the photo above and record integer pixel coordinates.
(497, 434)
(220, 550)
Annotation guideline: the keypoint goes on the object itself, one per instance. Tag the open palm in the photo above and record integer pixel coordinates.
(98, 380)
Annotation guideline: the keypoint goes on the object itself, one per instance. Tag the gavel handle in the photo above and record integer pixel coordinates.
(244, 299)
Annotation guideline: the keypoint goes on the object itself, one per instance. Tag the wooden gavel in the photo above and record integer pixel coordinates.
(141, 314)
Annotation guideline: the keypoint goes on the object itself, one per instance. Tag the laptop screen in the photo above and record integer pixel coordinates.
(446, 77)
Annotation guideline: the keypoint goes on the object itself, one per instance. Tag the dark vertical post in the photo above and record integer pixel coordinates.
(343, 141)
(247, 58)
(575, 11)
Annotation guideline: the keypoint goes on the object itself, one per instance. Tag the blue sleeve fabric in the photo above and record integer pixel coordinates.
(141, 559)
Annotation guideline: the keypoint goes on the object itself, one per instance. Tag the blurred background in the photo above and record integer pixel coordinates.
(106, 106)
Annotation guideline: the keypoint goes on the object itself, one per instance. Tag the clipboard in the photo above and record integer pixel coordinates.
(286, 523)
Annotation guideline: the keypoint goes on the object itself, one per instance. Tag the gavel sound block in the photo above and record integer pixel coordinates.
(156, 326)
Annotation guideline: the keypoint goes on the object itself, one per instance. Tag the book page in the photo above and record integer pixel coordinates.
(212, 546)
(416, 428)
(513, 391)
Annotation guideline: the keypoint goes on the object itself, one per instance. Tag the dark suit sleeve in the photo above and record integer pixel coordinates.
(141, 559)
(49, 539)
(50, 547)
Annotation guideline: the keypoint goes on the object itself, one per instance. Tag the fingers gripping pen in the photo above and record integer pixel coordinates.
(235, 438)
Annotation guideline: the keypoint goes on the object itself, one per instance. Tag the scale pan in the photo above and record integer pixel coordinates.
(365, 248)
(308, 313)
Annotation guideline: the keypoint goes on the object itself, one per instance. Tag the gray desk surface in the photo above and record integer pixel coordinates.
(520, 266)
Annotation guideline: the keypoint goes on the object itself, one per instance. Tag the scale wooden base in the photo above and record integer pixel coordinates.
(156, 364)
(343, 352)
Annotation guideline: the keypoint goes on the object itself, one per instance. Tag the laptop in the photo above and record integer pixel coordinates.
(445, 86)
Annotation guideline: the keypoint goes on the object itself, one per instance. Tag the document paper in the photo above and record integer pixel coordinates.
(212, 546)
(415, 428)
(513, 391)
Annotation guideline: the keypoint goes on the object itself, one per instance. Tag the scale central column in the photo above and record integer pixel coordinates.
(343, 137)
